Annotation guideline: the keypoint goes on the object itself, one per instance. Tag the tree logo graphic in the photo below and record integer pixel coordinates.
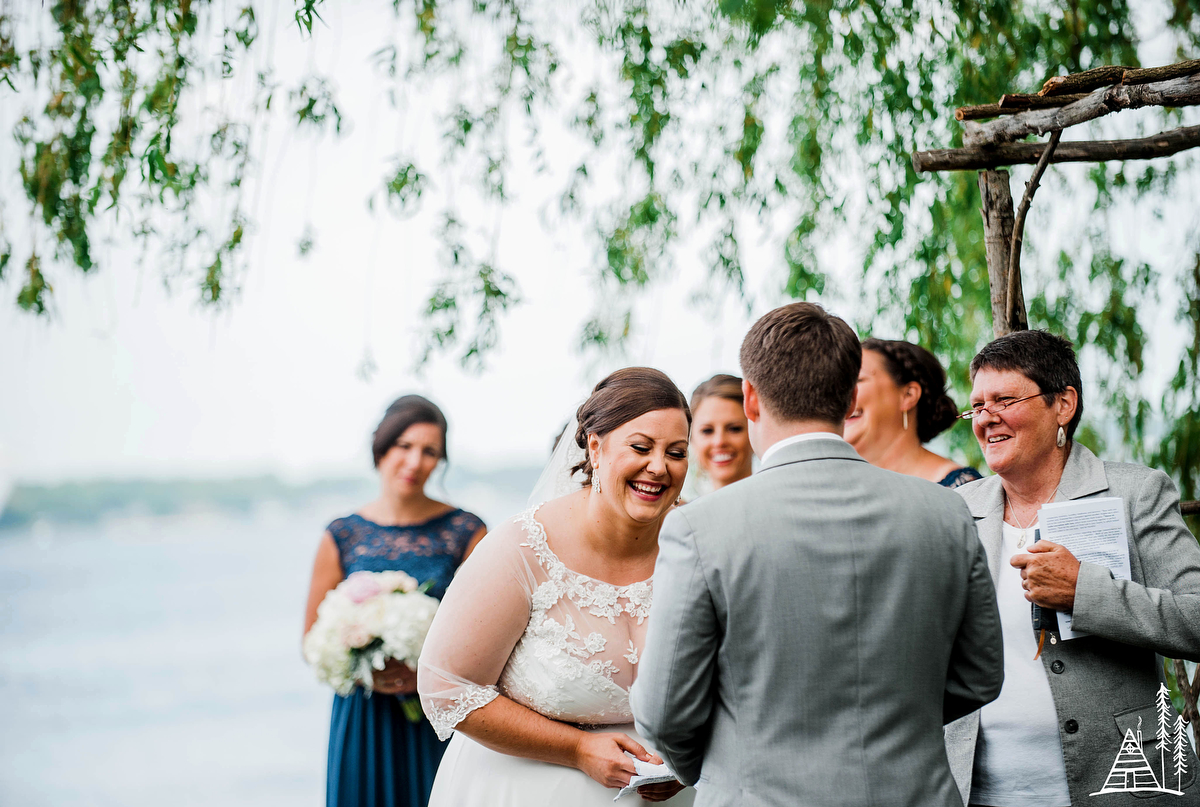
(1131, 772)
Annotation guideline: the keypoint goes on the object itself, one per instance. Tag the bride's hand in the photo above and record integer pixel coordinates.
(396, 678)
(661, 791)
(602, 757)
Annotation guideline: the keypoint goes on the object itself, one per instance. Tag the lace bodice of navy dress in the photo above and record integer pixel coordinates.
(429, 551)
(377, 757)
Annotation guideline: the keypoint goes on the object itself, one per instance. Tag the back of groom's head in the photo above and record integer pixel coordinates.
(803, 362)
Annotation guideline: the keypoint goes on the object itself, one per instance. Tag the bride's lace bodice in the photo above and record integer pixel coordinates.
(517, 622)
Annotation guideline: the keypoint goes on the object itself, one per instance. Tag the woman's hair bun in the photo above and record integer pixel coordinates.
(906, 363)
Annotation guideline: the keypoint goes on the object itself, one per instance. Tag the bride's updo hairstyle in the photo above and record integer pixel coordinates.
(906, 363)
(405, 411)
(624, 395)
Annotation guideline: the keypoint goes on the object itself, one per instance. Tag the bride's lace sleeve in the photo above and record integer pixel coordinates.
(481, 618)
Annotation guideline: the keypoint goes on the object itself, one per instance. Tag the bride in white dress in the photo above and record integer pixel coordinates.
(536, 643)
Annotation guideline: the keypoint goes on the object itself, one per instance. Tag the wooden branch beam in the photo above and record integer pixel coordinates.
(1174, 92)
(978, 158)
(1190, 508)
(1018, 236)
(1086, 81)
(1022, 101)
(997, 212)
(980, 111)
(1163, 73)
(1012, 103)
(1063, 90)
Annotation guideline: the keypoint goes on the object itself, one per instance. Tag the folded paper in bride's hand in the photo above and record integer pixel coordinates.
(647, 774)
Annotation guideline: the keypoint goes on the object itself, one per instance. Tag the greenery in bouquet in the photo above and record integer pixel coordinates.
(369, 618)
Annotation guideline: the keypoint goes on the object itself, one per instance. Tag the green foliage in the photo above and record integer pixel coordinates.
(473, 293)
(796, 117)
(404, 189)
(315, 105)
(109, 81)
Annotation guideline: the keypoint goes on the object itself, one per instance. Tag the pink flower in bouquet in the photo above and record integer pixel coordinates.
(356, 636)
(360, 587)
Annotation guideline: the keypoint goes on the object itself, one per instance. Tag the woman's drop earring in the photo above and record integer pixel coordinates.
(1062, 437)
(905, 420)
(596, 481)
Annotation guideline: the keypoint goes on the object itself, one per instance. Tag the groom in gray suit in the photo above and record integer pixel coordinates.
(815, 625)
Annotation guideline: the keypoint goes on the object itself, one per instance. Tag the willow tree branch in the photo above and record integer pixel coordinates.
(1018, 236)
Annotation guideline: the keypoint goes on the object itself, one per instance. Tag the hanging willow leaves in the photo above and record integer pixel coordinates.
(693, 123)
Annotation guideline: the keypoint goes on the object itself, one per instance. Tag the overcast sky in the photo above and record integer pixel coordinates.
(126, 379)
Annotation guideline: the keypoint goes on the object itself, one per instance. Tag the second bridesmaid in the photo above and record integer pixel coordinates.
(720, 440)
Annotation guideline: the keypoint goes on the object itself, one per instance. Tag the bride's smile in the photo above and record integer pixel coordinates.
(647, 490)
(642, 464)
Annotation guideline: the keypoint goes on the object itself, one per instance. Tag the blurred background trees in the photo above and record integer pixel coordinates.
(663, 125)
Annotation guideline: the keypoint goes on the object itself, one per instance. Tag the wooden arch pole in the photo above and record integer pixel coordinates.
(998, 217)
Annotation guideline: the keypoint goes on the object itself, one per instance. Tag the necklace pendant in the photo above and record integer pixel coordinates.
(1021, 540)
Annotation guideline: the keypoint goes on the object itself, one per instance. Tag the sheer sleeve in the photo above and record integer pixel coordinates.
(482, 617)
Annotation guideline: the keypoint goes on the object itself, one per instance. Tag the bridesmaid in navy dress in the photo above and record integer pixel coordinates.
(377, 756)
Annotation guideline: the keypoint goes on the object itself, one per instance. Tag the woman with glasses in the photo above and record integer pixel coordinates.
(902, 404)
(1051, 737)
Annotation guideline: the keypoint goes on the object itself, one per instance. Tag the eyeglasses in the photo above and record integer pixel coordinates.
(994, 409)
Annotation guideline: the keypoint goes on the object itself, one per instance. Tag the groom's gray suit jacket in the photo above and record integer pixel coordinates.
(813, 627)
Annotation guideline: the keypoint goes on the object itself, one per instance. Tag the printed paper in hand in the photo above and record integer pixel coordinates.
(1095, 532)
(647, 774)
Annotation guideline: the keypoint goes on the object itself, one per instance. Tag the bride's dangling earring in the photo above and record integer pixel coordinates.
(1062, 437)
(905, 420)
(596, 480)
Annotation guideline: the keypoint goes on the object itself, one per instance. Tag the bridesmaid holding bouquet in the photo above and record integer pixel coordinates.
(382, 751)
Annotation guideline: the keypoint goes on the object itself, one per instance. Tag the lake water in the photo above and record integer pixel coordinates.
(153, 661)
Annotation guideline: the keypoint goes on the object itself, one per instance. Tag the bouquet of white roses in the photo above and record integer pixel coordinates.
(369, 618)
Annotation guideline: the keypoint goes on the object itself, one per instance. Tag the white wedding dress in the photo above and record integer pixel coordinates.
(517, 622)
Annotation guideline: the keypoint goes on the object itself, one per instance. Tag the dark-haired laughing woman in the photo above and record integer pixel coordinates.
(377, 756)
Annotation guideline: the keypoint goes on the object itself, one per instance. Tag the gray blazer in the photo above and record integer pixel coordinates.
(1103, 683)
(813, 628)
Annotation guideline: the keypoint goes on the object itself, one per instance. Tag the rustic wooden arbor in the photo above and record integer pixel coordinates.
(1063, 101)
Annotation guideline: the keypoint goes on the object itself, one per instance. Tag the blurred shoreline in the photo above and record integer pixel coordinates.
(494, 495)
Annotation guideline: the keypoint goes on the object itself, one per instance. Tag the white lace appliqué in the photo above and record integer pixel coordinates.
(553, 668)
(594, 596)
(445, 719)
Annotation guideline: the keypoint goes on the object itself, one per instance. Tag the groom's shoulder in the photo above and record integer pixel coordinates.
(721, 502)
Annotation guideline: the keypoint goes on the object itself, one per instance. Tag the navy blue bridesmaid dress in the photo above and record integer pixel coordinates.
(377, 757)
